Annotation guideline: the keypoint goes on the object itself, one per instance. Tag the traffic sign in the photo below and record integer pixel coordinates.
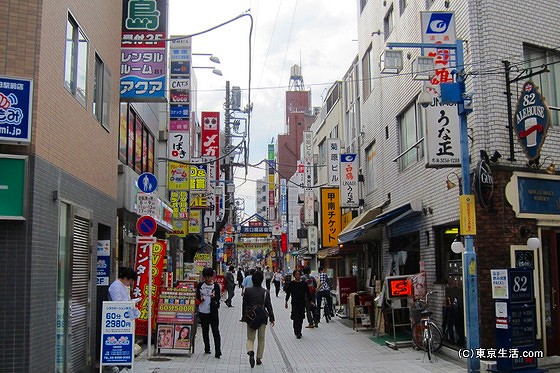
(147, 182)
(146, 225)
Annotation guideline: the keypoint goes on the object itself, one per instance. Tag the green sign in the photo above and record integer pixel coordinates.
(12, 187)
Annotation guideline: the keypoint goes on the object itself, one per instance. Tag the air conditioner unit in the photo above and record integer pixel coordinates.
(163, 135)
(120, 169)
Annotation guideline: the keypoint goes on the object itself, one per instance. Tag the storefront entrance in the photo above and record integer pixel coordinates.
(551, 268)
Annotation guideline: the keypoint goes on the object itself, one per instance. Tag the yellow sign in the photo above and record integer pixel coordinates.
(179, 204)
(178, 175)
(179, 228)
(467, 215)
(197, 177)
(330, 216)
(198, 201)
(195, 221)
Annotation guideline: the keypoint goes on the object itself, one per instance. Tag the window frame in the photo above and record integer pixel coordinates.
(76, 60)
(366, 73)
(101, 102)
(389, 22)
(406, 157)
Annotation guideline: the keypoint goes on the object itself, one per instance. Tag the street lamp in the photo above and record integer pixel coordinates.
(211, 58)
(214, 70)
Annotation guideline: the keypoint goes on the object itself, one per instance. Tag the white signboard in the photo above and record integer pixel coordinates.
(308, 206)
(333, 162)
(349, 189)
(117, 333)
(442, 129)
(438, 27)
(180, 83)
(499, 283)
(147, 204)
(312, 239)
(178, 146)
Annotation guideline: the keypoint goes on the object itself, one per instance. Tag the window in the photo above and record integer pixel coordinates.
(75, 69)
(136, 142)
(366, 73)
(101, 102)
(549, 83)
(402, 6)
(410, 136)
(388, 22)
(362, 5)
(323, 152)
(372, 159)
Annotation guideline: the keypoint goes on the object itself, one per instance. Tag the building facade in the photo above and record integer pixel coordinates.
(396, 158)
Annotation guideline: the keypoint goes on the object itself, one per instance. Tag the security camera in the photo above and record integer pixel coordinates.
(425, 99)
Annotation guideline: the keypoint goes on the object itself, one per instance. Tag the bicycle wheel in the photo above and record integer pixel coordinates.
(327, 313)
(436, 335)
(428, 342)
(418, 335)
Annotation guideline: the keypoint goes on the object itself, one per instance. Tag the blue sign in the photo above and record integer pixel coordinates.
(15, 109)
(147, 182)
(539, 196)
(117, 333)
(439, 23)
(179, 111)
(180, 68)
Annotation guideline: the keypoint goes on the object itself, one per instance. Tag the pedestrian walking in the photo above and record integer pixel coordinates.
(230, 285)
(253, 296)
(208, 299)
(324, 288)
(248, 281)
(240, 278)
(299, 292)
(277, 279)
(268, 277)
(310, 308)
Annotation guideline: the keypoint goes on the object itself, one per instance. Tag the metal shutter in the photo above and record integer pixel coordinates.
(79, 302)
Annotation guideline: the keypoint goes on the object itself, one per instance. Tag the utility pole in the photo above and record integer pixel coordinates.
(226, 168)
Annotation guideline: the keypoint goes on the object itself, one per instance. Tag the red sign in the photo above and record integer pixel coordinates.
(140, 289)
(146, 225)
(210, 134)
(220, 279)
(346, 286)
(399, 287)
(284, 242)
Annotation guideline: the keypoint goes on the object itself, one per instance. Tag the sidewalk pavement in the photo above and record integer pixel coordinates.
(332, 347)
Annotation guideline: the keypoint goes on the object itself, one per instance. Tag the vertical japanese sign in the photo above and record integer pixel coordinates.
(158, 248)
(16, 97)
(330, 216)
(441, 120)
(210, 134)
(349, 193)
(333, 162)
(103, 262)
(312, 239)
(143, 53)
(308, 194)
(271, 184)
(178, 146)
(117, 333)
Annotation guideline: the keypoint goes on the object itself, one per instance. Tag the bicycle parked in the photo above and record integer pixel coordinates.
(426, 335)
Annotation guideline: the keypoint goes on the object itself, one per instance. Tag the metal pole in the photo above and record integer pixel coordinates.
(507, 69)
(149, 301)
(470, 278)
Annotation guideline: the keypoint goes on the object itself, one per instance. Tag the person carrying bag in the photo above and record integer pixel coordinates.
(257, 311)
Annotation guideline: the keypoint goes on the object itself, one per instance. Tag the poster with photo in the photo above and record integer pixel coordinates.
(182, 336)
(165, 336)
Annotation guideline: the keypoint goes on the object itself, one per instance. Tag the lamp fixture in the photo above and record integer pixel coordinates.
(494, 157)
(391, 61)
(457, 245)
(450, 184)
(533, 243)
(214, 70)
(211, 58)
(537, 164)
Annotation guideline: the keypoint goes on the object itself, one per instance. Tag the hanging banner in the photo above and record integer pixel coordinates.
(442, 129)
(349, 190)
(210, 134)
(158, 249)
(330, 216)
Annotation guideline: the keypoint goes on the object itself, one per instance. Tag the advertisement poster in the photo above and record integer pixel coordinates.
(182, 336)
(117, 333)
(15, 109)
(140, 289)
(103, 262)
(165, 336)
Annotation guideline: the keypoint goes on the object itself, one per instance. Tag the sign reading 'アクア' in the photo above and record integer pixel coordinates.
(15, 109)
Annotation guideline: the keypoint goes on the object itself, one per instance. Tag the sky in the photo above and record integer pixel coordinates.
(318, 35)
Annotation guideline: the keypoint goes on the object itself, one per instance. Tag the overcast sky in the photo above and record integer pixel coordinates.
(318, 35)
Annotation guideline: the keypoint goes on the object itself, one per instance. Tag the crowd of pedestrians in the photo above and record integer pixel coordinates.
(303, 295)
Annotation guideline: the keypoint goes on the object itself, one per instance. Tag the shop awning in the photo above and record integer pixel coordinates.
(350, 233)
(329, 251)
(387, 218)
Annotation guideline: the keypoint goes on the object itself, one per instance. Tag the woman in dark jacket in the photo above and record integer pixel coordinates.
(256, 295)
(299, 292)
(240, 278)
